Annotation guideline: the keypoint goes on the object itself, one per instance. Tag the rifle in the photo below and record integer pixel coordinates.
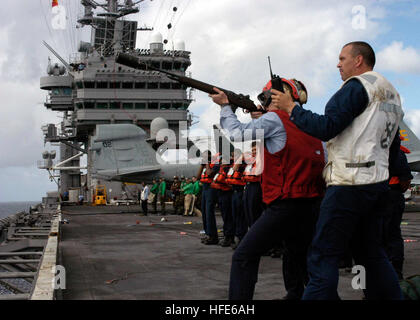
(236, 100)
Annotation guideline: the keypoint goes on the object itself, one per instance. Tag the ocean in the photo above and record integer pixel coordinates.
(8, 208)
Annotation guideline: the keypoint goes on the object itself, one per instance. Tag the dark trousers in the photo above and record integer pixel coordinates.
(225, 206)
(181, 204)
(296, 246)
(240, 222)
(154, 203)
(176, 203)
(346, 212)
(253, 205)
(281, 220)
(394, 243)
(162, 200)
(209, 196)
(144, 206)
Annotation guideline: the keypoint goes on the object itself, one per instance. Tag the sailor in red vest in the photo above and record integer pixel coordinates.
(234, 178)
(230, 202)
(253, 205)
(224, 198)
(292, 186)
(208, 168)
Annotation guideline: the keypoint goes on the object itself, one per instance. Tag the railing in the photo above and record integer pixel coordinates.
(44, 288)
(26, 236)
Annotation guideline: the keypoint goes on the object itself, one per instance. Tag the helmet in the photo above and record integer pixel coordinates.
(295, 87)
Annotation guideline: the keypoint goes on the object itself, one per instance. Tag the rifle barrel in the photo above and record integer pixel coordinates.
(234, 99)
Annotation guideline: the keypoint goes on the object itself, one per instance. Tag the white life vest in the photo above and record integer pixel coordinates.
(359, 154)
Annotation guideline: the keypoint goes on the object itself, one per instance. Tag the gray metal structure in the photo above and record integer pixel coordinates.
(121, 152)
(91, 89)
(411, 142)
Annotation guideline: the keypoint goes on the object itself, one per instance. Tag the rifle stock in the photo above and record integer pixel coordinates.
(237, 100)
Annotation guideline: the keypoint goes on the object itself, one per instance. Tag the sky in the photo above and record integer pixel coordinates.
(229, 41)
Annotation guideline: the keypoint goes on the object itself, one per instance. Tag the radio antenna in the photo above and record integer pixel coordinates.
(269, 64)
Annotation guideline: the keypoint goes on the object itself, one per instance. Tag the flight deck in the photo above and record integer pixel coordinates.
(113, 252)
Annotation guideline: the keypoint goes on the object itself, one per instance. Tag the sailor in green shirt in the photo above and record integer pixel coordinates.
(154, 192)
(183, 182)
(162, 193)
(197, 187)
(188, 193)
(196, 196)
(155, 187)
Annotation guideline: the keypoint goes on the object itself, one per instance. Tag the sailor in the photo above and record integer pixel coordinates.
(234, 178)
(181, 195)
(81, 198)
(144, 197)
(139, 190)
(176, 194)
(162, 195)
(225, 204)
(253, 205)
(291, 185)
(360, 124)
(399, 183)
(208, 168)
(154, 195)
(188, 189)
(196, 203)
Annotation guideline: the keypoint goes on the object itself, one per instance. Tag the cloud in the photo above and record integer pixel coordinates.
(398, 58)
(21, 117)
(26, 24)
(229, 41)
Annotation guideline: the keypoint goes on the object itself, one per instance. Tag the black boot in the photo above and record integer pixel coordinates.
(227, 241)
(211, 240)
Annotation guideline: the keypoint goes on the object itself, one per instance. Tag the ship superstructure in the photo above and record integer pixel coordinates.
(93, 89)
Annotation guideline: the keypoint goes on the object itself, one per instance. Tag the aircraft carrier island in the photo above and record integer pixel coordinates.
(90, 240)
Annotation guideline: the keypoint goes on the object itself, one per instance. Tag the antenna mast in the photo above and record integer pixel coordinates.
(271, 71)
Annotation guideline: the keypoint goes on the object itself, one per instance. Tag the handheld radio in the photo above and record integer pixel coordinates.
(276, 83)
